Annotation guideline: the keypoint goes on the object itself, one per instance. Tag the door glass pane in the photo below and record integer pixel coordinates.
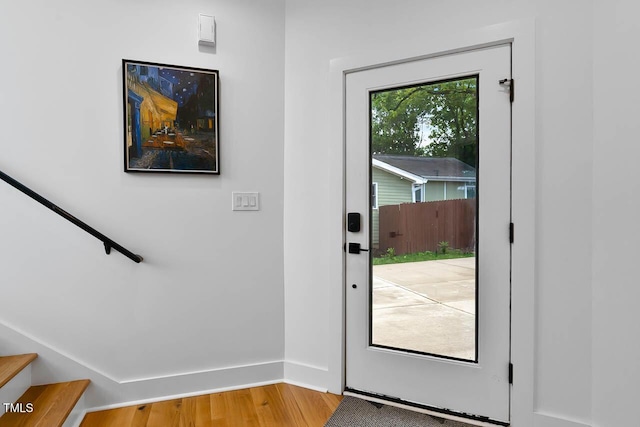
(424, 161)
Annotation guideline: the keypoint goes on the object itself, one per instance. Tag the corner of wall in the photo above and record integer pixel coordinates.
(307, 376)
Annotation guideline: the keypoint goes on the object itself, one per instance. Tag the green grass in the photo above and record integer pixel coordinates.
(421, 256)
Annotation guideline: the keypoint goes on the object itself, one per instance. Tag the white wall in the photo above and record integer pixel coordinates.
(563, 214)
(209, 294)
(616, 212)
(317, 32)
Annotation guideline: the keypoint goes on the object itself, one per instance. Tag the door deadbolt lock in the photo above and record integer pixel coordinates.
(353, 222)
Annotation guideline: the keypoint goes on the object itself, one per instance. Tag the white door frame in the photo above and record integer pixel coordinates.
(522, 36)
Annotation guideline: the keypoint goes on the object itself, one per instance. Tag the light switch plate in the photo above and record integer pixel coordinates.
(206, 29)
(245, 201)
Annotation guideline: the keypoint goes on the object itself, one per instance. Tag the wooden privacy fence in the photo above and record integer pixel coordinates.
(419, 227)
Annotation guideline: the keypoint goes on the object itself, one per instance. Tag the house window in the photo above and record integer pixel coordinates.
(374, 195)
(470, 190)
(418, 190)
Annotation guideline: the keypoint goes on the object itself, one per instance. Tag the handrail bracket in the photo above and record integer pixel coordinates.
(108, 243)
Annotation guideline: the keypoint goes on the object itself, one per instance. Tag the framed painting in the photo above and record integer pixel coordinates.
(171, 121)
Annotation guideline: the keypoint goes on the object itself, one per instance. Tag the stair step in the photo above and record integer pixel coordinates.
(10, 366)
(51, 403)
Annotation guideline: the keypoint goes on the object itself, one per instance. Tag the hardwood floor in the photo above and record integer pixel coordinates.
(278, 405)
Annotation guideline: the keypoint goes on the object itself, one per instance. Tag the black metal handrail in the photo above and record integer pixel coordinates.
(108, 243)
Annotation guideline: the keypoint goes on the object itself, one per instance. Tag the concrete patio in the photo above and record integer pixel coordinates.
(426, 306)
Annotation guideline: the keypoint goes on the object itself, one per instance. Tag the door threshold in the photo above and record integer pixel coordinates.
(424, 409)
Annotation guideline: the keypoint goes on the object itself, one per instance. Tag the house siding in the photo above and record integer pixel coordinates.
(434, 191)
(453, 192)
(392, 190)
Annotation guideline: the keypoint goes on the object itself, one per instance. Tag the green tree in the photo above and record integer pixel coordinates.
(449, 109)
(395, 115)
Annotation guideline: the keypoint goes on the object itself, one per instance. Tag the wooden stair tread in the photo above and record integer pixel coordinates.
(10, 366)
(52, 404)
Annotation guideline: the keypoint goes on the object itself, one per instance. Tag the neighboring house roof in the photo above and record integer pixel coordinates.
(422, 169)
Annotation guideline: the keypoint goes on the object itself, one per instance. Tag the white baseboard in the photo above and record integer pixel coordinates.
(53, 366)
(307, 376)
(547, 420)
(188, 384)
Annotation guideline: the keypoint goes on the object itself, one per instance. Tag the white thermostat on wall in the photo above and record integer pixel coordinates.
(206, 29)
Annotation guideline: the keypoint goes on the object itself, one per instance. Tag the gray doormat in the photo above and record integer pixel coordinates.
(354, 412)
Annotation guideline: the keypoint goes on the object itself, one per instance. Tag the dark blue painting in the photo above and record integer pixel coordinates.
(170, 118)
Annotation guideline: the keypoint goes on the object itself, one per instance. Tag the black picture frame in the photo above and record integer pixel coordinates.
(171, 118)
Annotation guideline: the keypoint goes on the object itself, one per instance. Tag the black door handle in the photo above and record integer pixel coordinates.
(354, 248)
